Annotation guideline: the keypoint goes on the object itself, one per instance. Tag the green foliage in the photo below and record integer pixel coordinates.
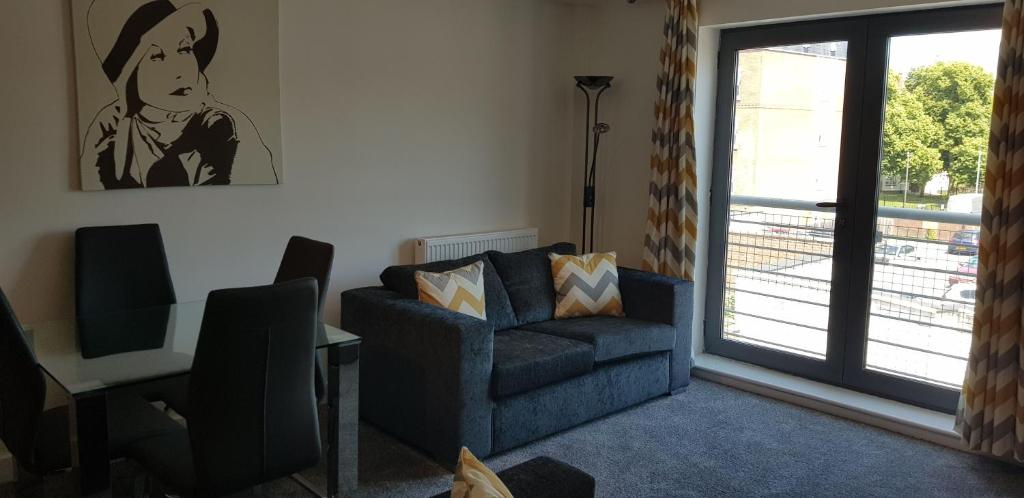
(958, 97)
(914, 201)
(910, 137)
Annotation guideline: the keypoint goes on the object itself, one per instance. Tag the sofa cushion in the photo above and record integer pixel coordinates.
(517, 420)
(612, 337)
(586, 285)
(402, 279)
(527, 360)
(527, 278)
(460, 290)
(474, 480)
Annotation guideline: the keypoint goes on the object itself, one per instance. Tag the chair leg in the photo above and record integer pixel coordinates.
(308, 486)
(27, 484)
(140, 486)
(126, 480)
(152, 488)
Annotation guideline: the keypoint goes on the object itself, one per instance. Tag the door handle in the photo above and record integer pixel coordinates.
(840, 219)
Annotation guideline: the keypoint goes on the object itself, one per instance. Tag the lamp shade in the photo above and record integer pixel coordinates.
(594, 82)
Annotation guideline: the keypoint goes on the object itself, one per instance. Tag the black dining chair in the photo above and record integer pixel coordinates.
(39, 438)
(254, 416)
(22, 396)
(309, 258)
(120, 268)
(302, 258)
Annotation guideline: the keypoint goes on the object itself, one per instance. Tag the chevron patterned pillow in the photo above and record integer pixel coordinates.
(586, 285)
(461, 289)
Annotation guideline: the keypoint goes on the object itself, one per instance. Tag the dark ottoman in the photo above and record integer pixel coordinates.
(545, 477)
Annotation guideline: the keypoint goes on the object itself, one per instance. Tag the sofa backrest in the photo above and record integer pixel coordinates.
(518, 287)
(528, 281)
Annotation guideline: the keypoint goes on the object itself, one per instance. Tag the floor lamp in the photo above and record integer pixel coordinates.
(592, 87)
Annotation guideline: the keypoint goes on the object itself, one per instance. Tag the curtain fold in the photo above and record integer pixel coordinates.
(670, 242)
(991, 413)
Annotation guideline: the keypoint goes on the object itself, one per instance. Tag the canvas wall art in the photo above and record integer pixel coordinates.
(177, 93)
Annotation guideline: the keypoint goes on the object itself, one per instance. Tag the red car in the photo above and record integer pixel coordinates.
(966, 272)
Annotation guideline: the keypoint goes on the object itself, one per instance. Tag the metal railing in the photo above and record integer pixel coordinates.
(778, 282)
(883, 211)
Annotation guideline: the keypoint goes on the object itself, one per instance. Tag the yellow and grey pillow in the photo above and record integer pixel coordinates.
(461, 289)
(474, 480)
(586, 285)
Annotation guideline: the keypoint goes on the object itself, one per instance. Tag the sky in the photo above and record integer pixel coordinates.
(976, 47)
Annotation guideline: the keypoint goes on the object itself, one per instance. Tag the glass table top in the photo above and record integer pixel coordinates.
(85, 355)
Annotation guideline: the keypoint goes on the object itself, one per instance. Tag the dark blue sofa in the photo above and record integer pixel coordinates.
(440, 380)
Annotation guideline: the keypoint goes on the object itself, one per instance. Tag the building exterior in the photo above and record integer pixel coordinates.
(789, 116)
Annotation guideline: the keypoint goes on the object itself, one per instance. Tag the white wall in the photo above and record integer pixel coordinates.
(618, 39)
(401, 119)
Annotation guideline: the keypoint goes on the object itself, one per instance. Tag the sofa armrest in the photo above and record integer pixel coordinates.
(658, 298)
(425, 371)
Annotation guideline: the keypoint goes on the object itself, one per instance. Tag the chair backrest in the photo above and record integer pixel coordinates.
(119, 268)
(253, 413)
(22, 390)
(307, 258)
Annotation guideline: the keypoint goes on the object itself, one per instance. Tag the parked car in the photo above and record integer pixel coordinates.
(959, 297)
(884, 253)
(967, 272)
(965, 242)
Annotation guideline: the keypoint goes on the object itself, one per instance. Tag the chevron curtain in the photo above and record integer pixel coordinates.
(991, 414)
(670, 242)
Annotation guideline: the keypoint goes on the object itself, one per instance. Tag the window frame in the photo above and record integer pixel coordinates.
(854, 247)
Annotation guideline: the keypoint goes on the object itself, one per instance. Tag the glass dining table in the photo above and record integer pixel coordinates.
(93, 357)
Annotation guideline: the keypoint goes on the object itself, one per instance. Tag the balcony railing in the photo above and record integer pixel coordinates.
(779, 276)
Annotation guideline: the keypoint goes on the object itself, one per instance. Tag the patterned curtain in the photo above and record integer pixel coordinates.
(670, 242)
(991, 414)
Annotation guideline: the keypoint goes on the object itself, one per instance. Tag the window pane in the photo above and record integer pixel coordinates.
(788, 126)
(935, 135)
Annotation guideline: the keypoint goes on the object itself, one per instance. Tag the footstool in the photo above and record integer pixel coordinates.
(545, 477)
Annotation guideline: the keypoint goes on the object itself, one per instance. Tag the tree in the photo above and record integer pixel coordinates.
(958, 96)
(910, 137)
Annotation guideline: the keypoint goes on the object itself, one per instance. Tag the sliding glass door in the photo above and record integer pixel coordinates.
(844, 210)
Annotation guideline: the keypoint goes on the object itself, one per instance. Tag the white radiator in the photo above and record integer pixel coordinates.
(432, 249)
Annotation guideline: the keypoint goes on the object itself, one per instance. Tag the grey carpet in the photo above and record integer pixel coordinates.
(708, 441)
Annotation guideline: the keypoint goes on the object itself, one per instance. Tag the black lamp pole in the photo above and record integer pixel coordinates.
(592, 87)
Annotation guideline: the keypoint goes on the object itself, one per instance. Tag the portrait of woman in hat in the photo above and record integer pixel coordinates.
(165, 127)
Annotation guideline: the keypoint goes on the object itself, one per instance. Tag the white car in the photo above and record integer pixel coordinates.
(884, 253)
(960, 297)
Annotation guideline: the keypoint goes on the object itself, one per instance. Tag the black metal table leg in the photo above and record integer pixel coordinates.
(343, 420)
(93, 453)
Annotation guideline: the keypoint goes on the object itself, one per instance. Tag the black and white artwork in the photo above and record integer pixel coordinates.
(177, 93)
